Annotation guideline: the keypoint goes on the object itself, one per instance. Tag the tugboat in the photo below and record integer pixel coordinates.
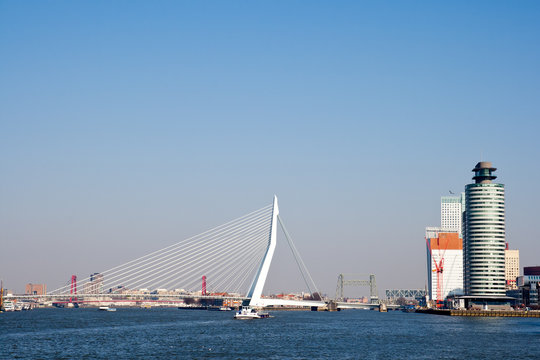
(247, 313)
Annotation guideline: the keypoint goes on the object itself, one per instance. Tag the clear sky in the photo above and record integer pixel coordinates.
(126, 126)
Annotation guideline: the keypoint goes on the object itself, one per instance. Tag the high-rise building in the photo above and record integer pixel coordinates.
(511, 267)
(452, 208)
(445, 269)
(484, 245)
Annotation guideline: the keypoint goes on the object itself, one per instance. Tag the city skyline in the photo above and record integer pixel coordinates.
(124, 131)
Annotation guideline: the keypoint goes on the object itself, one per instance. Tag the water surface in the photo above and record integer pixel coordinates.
(185, 334)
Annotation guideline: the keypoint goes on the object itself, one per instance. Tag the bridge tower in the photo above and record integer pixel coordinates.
(73, 290)
(203, 290)
(257, 284)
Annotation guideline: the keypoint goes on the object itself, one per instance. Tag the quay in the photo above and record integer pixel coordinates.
(480, 313)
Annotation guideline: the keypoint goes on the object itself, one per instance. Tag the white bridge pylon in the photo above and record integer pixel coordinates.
(255, 291)
(256, 288)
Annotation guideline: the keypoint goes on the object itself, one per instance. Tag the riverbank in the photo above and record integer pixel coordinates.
(480, 313)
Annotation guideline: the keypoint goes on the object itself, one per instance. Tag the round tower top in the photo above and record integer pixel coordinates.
(483, 173)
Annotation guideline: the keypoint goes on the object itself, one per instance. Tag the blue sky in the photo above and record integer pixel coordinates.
(126, 126)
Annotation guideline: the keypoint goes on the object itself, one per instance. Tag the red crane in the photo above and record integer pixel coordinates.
(439, 267)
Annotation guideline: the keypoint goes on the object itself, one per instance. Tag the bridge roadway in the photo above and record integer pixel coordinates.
(172, 298)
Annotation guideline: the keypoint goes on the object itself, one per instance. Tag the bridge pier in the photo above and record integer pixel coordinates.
(332, 306)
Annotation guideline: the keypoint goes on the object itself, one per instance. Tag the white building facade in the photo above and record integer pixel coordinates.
(445, 265)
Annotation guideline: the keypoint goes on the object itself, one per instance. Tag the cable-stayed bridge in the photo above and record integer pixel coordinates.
(230, 261)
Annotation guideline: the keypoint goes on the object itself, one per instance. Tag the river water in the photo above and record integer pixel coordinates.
(191, 334)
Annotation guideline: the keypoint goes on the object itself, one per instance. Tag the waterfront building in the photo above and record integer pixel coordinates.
(445, 269)
(531, 270)
(35, 289)
(528, 290)
(95, 285)
(118, 290)
(452, 208)
(484, 235)
(511, 267)
(529, 286)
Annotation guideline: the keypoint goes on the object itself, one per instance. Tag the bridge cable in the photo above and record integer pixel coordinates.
(298, 259)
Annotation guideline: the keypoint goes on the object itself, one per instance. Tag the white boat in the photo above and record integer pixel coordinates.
(9, 306)
(247, 313)
(106, 308)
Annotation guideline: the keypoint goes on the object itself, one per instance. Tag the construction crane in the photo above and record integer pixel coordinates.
(439, 267)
